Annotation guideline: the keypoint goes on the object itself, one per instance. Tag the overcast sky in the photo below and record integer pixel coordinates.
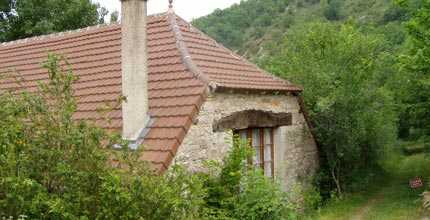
(187, 9)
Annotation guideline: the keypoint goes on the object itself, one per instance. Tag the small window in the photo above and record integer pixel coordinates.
(261, 140)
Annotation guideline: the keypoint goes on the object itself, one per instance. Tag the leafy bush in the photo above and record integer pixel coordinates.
(175, 195)
(312, 199)
(237, 190)
(50, 166)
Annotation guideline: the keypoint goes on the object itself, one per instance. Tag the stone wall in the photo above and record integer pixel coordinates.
(296, 155)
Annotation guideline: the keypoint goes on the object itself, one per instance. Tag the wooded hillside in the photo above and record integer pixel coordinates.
(254, 28)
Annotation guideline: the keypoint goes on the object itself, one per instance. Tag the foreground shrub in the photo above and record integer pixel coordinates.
(237, 190)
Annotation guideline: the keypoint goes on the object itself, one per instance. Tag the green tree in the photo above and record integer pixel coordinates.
(114, 16)
(340, 69)
(332, 9)
(6, 7)
(27, 18)
(416, 63)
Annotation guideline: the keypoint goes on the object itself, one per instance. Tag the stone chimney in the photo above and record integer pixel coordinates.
(134, 64)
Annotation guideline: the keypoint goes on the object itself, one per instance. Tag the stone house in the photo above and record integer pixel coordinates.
(185, 94)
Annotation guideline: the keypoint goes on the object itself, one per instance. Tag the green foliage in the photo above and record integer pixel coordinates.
(45, 157)
(332, 9)
(394, 13)
(175, 195)
(398, 165)
(261, 199)
(247, 20)
(340, 69)
(416, 63)
(6, 7)
(27, 18)
(237, 190)
(114, 16)
(312, 199)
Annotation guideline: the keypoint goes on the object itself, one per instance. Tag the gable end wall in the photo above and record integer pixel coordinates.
(296, 155)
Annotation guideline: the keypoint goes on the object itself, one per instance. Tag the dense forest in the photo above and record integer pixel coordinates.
(362, 63)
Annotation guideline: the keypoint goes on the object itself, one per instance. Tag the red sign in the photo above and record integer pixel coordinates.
(416, 183)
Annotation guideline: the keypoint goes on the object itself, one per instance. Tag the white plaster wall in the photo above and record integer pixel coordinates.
(296, 156)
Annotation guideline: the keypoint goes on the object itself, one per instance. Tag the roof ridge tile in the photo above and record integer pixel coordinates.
(68, 32)
(186, 57)
(57, 34)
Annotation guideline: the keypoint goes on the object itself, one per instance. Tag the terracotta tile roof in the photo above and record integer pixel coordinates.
(183, 64)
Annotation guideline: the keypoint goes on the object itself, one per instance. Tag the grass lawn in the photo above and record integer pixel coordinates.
(388, 199)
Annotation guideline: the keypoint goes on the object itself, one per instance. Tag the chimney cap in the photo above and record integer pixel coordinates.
(170, 3)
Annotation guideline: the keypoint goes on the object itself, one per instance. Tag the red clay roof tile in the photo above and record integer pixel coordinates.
(176, 91)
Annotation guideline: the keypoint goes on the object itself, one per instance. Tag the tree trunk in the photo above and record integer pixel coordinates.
(336, 181)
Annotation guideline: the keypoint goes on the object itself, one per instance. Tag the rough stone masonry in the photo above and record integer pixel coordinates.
(295, 151)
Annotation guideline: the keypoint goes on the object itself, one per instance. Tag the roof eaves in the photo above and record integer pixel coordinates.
(286, 90)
